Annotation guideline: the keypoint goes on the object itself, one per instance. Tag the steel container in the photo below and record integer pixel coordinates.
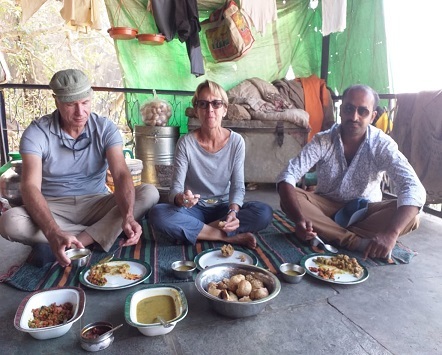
(155, 147)
(101, 342)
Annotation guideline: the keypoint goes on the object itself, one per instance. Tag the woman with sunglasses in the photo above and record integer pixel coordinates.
(346, 208)
(207, 191)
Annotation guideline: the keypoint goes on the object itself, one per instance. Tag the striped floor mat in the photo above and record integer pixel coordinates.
(277, 244)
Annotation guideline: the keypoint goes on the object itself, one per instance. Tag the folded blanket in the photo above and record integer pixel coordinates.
(264, 102)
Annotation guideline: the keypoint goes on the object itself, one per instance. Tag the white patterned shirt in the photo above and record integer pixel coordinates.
(338, 181)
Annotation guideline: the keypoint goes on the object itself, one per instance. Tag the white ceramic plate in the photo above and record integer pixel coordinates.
(343, 277)
(213, 256)
(117, 282)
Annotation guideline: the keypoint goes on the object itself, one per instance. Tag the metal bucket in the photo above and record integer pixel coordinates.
(155, 147)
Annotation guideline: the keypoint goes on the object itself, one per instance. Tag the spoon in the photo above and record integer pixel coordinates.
(109, 257)
(163, 322)
(327, 247)
(110, 331)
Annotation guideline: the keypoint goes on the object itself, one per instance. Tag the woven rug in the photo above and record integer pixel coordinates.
(277, 244)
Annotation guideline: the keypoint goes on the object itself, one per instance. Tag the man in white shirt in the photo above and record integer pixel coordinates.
(350, 160)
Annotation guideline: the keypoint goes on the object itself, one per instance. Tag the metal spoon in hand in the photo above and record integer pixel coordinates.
(327, 247)
(109, 257)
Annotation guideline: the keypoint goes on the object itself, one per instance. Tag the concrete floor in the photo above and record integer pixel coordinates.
(398, 310)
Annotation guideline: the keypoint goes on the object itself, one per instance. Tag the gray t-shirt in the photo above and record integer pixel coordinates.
(71, 167)
(217, 175)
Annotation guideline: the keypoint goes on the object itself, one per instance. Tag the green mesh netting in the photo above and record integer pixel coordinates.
(358, 55)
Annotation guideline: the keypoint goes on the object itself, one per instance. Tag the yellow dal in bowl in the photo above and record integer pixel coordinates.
(148, 309)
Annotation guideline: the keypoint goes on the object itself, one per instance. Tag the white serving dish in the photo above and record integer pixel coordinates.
(59, 295)
(130, 309)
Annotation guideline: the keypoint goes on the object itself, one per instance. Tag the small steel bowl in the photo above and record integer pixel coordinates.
(183, 269)
(91, 338)
(79, 257)
(292, 273)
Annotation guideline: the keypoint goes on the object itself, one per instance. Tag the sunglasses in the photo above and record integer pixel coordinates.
(203, 104)
(81, 143)
(350, 109)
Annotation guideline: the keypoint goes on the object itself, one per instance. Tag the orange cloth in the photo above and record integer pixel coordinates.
(317, 103)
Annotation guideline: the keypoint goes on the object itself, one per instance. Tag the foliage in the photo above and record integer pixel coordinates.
(34, 50)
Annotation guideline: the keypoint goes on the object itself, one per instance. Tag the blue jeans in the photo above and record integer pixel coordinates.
(184, 224)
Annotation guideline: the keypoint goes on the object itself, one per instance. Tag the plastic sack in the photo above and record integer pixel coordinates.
(156, 112)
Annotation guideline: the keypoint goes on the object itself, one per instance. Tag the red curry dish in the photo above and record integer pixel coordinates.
(48, 316)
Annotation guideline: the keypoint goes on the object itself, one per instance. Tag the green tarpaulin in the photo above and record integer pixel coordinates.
(357, 55)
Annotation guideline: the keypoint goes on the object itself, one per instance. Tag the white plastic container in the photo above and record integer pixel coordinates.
(135, 167)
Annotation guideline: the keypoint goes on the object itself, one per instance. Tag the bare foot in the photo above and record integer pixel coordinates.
(215, 234)
(245, 239)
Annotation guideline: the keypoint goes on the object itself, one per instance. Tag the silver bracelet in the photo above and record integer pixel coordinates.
(232, 210)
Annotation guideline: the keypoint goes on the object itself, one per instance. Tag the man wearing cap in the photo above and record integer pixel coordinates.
(65, 158)
(346, 208)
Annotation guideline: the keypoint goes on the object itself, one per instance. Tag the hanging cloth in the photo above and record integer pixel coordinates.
(180, 17)
(29, 8)
(260, 12)
(418, 132)
(318, 104)
(81, 15)
(334, 16)
(5, 74)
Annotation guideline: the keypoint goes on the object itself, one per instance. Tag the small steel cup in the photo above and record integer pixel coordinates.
(100, 342)
(183, 269)
(79, 257)
(292, 273)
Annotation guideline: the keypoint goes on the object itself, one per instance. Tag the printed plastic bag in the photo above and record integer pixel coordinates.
(228, 33)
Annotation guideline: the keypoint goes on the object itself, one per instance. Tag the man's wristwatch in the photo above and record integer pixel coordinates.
(232, 210)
